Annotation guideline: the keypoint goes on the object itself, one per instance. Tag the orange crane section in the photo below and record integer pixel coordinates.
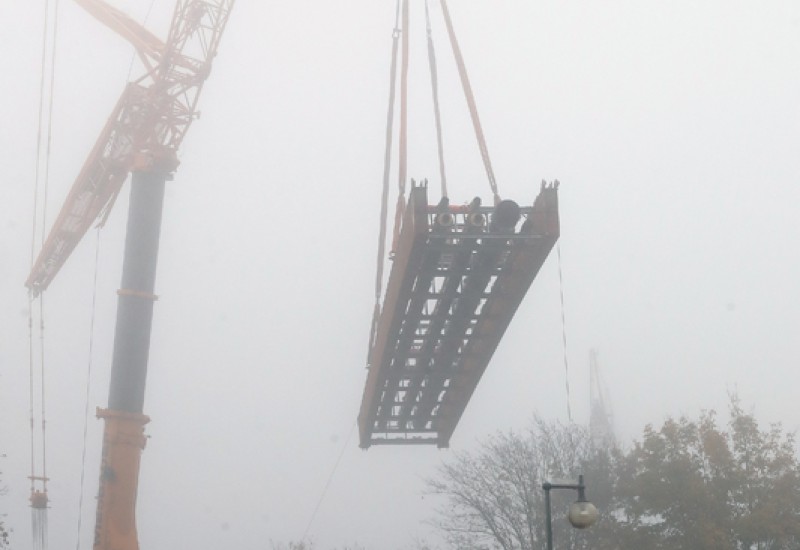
(142, 137)
(147, 125)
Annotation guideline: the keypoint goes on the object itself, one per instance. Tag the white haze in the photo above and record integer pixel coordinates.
(672, 127)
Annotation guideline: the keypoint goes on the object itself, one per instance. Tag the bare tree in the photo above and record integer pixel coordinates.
(494, 495)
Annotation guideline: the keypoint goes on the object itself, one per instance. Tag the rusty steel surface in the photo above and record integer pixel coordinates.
(456, 282)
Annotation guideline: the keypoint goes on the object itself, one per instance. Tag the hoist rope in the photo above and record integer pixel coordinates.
(564, 332)
(49, 121)
(44, 135)
(473, 111)
(39, 528)
(387, 161)
(328, 483)
(40, 191)
(435, 92)
(88, 386)
(31, 387)
(401, 183)
(39, 124)
(43, 394)
(46, 189)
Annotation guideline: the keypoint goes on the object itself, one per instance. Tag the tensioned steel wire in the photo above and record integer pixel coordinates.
(44, 133)
(435, 93)
(564, 333)
(88, 386)
(387, 161)
(328, 482)
(403, 160)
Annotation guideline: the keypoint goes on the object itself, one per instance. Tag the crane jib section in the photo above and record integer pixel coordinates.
(147, 125)
(458, 277)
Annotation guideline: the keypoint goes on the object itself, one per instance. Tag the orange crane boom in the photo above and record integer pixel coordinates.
(147, 125)
(142, 136)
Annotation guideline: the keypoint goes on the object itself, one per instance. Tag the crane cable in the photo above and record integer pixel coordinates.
(403, 147)
(402, 169)
(386, 175)
(473, 110)
(38, 497)
(88, 388)
(564, 332)
(435, 93)
(345, 445)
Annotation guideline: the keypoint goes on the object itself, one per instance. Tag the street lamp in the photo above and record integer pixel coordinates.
(582, 513)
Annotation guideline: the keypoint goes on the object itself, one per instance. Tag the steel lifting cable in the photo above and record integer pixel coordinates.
(31, 386)
(42, 396)
(38, 498)
(564, 332)
(328, 482)
(43, 233)
(387, 161)
(473, 111)
(88, 387)
(401, 183)
(435, 92)
(49, 120)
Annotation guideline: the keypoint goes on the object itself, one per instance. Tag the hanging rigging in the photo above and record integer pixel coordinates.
(457, 277)
(39, 499)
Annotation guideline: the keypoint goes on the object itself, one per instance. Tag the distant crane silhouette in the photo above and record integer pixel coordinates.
(601, 418)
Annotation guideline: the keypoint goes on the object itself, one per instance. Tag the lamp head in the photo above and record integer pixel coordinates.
(582, 514)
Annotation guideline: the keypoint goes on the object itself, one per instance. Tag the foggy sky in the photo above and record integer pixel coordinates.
(673, 129)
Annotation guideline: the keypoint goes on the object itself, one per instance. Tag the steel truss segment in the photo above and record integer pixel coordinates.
(457, 280)
(147, 125)
(148, 45)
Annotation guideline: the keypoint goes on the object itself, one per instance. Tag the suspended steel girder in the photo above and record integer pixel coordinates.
(458, 277)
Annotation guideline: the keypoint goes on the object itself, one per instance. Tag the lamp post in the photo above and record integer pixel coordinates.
(582, 513)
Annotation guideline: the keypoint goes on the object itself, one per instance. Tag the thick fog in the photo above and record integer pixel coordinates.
(672, 127)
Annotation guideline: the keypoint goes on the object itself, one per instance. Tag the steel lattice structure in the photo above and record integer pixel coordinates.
(147, 125)
(457, 280)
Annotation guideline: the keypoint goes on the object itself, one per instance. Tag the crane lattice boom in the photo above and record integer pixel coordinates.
(147, 125)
